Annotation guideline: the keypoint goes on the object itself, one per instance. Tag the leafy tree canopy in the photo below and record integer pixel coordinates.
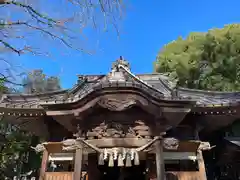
(208, 60)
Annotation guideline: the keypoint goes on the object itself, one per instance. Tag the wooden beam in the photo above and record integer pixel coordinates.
(160, 167)
(44, 164)
(78, 164)
(118, 142)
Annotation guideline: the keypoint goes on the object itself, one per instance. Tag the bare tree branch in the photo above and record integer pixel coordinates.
(7, 45)
(30, 9)
(6, 80)
(17, 32)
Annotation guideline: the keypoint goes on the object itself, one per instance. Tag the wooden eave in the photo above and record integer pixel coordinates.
(22, 112)
(114, 86)
(89, 94)
(216, 109)
(30, 97)
(26, 102)
(153, 98)
(206, 99)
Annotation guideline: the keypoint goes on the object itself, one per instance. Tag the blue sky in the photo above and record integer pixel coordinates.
(146, 27)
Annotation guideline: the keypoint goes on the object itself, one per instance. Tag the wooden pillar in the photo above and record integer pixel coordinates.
(91, 166)
(160, 167)
(93, 171)
(43, 165)
(201, 166)
(78, 163)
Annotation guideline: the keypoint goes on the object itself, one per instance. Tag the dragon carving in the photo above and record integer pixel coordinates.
(111, 130)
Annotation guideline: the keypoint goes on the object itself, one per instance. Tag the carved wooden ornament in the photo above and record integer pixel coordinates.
(116, 104)
(170, 143)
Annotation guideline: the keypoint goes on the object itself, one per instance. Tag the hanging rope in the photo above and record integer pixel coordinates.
(120, 154)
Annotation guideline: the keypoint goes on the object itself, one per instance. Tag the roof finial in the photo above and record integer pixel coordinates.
(121, 61)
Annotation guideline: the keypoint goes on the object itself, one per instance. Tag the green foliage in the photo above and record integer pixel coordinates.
(204, 60)
(16, 155)
(14, 146)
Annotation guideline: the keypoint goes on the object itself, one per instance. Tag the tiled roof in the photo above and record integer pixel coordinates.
(156, 85)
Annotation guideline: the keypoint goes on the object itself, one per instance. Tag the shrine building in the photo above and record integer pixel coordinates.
(125, 126)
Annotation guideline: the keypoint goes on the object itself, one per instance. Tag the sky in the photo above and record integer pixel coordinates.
(145, 28)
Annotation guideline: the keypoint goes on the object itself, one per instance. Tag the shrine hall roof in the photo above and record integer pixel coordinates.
(120, 76)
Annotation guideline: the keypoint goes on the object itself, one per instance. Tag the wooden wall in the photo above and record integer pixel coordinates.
(58, 176)
(183, 176)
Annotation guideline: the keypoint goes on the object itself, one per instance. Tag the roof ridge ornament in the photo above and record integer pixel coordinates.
(121, 61)
(117, 74)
